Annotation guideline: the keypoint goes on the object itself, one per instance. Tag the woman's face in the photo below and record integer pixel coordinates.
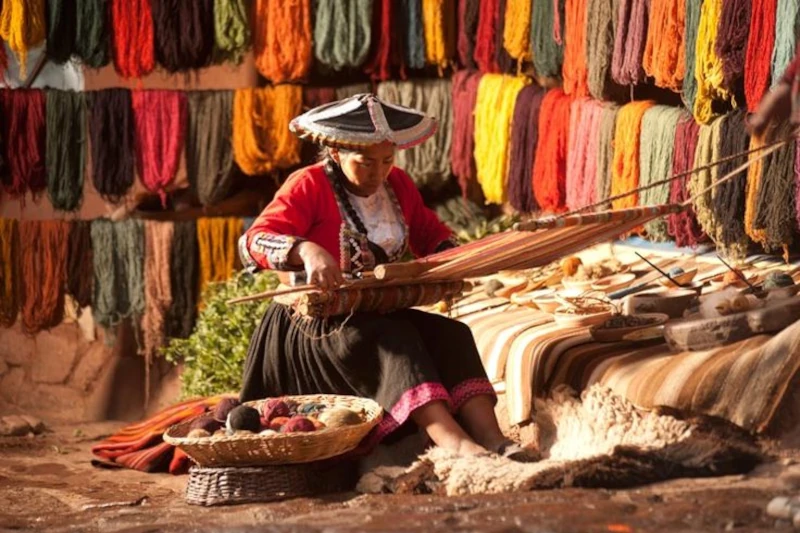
(366, 169)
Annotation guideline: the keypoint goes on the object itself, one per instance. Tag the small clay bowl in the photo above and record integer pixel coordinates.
(565, 318)
(613, 283)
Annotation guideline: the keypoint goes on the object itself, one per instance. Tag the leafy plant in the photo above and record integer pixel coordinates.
(213, 355)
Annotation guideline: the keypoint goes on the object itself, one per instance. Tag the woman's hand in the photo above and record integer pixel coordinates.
(321, 268)
(775, 107)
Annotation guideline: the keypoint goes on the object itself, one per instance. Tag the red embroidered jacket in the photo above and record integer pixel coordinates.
(306, 208)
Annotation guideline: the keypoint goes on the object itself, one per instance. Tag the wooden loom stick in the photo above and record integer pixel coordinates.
(408, 269)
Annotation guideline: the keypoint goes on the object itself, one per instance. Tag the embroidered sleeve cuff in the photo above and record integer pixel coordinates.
(451, 242)
(268, 251)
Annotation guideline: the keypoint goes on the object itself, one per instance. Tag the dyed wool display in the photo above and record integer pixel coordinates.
(683, 226)
(689, 93)
(61, 20)
(707, 146)
(468, 11)
(184, 33)
(550, 167)
(629, 42)
(625, 169)
(731, 42)
(505, 63)
(43, 255)
(346, 91)
(231, 29)
(24, 133)
(65, 148)
(577, 147)
(484, 54)
(605, 152)
(22, 26)
(209, 155)
(494, 111)
(462, 159)
(439, 28)
(590, 123)
(548, 52)
(786, 21)
(112, 140)
(183, 273)
(656, 161)
(414, 33)
(601, 22)
(262, 141)
(574, 69)
(708, 65)
(160, 119)
(282, 39)
(79, 263)
(9, 272)
(665, 53)
(217, 243)
(754, 180)
(517, 29)
(132, 37)
(760, 44)
(524, 137)
(729, 197)
(157, 286)
(387, 57)
(424, 163)
(343, 33)
(775, 204)
(91, 34)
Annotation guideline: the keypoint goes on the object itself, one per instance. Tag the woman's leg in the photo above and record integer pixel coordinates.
(479, 419)
(444, 431)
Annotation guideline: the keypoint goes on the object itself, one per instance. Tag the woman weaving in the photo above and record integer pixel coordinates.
(347, 214)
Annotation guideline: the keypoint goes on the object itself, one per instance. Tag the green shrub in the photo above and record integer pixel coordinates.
(214, 354)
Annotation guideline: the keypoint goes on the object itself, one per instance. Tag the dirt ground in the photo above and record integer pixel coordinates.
(48, 484)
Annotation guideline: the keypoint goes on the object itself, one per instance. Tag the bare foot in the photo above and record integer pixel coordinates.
(468, 447)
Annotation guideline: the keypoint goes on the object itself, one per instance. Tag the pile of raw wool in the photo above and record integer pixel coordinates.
(598, 440)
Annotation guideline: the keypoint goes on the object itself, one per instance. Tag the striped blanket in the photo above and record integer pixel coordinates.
(527, 356)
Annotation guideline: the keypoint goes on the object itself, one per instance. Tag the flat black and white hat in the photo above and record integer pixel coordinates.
(363, 120)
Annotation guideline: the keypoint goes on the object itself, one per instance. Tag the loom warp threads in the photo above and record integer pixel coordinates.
(424, 163)
(132, 37)
(112, 134)
(9, 271)
(343, 32)
(184, 33)
(209, 155)
(282, 39)
(160, 119)
(262, 141)
(42, 271)
(625, 170)
(550, 167)
(494, 111)
(65, 150)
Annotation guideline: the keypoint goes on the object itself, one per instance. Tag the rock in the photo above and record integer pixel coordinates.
(90, 365)
(14, 426)
(12, 383)
(56, 351)
(16, 348)
(36, 425)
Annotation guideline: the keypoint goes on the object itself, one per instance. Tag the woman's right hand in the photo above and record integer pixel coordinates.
(321, 268)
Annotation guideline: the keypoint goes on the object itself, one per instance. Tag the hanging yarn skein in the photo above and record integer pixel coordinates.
(683, 225)
(425, 163)
(183, 274)
(729, 197)
(80, 274)
(775, 204)
(439, 29)
(157, 286)
(708, 65)
(548, 52)
(112, 134)
(209, 155)
(760, 44)
(574, 70)
(582, 157)
(550, 168)
(754, 177)
(605, 151)
(217, 240)
(494, 111)
(484, 53)
(282, 39)
(23, 27)
(656, 154)
(42, 271)
(786, 22)
(517, 29)
(343, 32)
(505, 63)
(601, 21)
(184, 33)
(524, 136)
(132, 38)
(9, 271)
(689, 93)
(629, 42)
(665, 52)
(65, 150)
(91, 34)
(231, 30)
(414, 33)
(796, 182)
(61, 22)
(707, 148)
(462, 158)
(468, 14)
(262, 141)
(160, 119)
(625, 172)
(387, 57)
(731, 41)
(24, 134)
(346, 91)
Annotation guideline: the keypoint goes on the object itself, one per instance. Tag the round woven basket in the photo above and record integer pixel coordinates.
(250, 484)
(251, 449)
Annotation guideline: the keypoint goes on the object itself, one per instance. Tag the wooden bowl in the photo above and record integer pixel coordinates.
(546, 302)
(614, 282)
(682, 279)
(581, 285)
(602, 333)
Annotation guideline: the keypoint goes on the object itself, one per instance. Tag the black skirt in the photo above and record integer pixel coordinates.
(402, 360)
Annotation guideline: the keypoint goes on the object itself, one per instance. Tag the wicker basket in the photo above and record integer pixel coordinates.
(252, 449)
(250, 484)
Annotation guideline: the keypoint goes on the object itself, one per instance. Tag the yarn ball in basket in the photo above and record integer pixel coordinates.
(224, 407)
(339, 417)
(310, 408)
(277, 423)
(273, 408)
(776, 280)
(298, 424)
(198, 433)
(206, 423)
(243, 418)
